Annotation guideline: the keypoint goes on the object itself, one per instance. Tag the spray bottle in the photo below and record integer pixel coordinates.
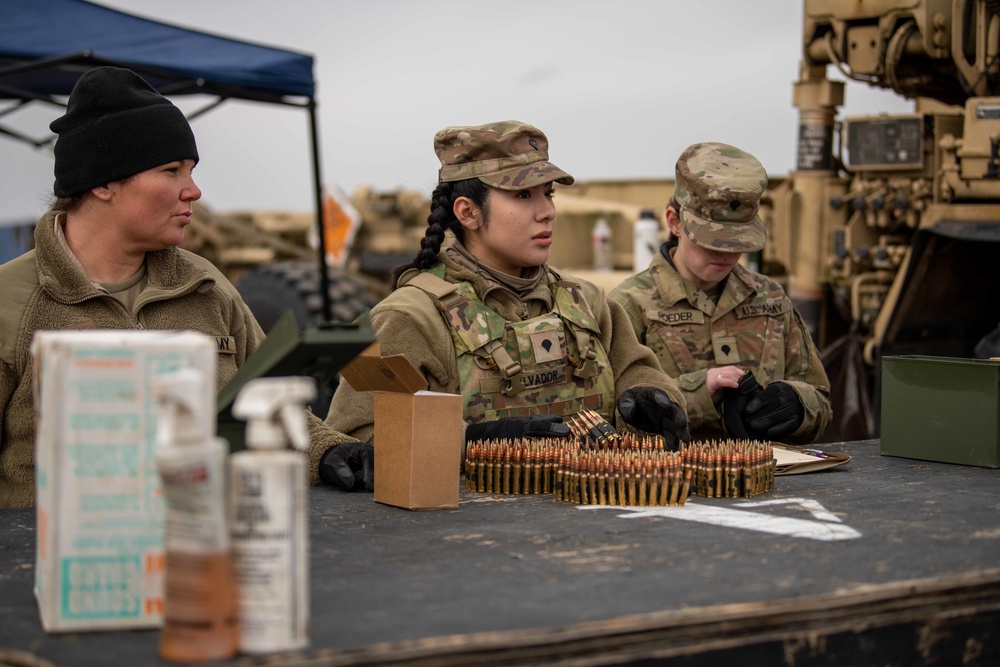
(600, 239)
(199, 601)
(645, 240)
(268, 514)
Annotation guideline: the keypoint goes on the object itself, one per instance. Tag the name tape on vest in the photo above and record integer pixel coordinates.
(680, 317)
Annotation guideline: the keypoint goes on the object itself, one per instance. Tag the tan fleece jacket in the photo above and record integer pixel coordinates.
(408, 322)
(46, 289)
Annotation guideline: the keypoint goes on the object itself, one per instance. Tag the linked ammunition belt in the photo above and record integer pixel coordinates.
(600, 466)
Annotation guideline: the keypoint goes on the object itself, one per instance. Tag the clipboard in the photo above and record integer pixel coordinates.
(797, 460)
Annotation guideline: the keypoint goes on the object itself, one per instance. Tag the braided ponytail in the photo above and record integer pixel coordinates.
(442, 219)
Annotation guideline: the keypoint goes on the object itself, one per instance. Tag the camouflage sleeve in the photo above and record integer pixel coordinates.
(701, 410)
(633, 363)
(407, 323)
(804, 371)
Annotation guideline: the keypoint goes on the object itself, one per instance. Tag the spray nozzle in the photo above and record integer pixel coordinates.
(274, 409)
(182, 416)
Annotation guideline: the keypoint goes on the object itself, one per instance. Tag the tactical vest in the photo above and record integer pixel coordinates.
(552, 364)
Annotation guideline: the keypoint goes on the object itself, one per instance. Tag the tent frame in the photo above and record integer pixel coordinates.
(170, 84)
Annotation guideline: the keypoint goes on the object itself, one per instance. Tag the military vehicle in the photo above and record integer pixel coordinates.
(888, 229)
(887, 233)
(271, 256)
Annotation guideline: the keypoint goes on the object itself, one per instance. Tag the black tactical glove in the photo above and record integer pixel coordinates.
(774, 412)
(734, 401)
(350, 466)
(534, 426)
(650, 409)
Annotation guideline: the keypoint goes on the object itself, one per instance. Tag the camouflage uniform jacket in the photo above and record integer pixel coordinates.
(552, 363)
(753, 326)
(409, 322)
(46, 289)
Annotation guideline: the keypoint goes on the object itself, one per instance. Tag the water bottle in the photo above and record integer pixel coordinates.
(601, 241)
(646, 240)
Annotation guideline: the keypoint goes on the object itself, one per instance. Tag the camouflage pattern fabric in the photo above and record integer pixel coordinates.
(753, 326)
(530, 367)
(509, 155)
(718, 189)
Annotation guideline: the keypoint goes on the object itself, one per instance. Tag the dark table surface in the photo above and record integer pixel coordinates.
(387, 577)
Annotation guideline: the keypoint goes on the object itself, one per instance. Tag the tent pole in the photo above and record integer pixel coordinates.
(324, 277)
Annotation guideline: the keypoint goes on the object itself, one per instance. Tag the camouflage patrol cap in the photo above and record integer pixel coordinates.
(509, 155)
(718, 189)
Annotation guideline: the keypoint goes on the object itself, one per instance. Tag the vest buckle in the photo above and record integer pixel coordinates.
(512, 386)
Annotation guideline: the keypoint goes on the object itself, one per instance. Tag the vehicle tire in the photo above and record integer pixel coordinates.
(272, 290)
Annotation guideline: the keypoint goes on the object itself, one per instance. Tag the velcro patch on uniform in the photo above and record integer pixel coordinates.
(675, 318)
(762, 309)
(726, 352)
(546, 346)
(226, 344)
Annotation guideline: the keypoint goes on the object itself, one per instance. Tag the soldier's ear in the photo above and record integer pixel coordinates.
(103, 192)
(673, 221)
(468, 214)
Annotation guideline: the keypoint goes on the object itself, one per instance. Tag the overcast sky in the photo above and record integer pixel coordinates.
(620, 88)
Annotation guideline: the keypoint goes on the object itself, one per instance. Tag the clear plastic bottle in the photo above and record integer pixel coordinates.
(269, 514)
(199, 620)
(602, 244)
(646, 240)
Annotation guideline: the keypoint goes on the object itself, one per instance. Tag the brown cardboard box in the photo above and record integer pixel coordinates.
(418, 433)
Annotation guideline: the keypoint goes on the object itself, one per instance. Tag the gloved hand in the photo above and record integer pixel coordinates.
(650, 409)
(350, 466)
(734, 402)
(533, 426)
(774, 412)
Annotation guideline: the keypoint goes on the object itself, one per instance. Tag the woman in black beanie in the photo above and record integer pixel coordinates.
(106, 254)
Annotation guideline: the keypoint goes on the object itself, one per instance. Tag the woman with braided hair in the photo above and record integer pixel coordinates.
(487, 318)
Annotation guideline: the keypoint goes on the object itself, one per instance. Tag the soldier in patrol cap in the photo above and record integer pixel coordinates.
(740, 352)
(487, 318)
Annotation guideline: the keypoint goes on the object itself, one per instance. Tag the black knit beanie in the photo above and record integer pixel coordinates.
(115, 126)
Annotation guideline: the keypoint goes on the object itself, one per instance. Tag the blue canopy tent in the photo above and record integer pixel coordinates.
(46, 45)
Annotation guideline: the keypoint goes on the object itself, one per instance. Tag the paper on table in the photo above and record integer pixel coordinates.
(796, 460)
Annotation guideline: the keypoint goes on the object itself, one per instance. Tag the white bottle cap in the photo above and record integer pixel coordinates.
(274, 408)
(182, 418)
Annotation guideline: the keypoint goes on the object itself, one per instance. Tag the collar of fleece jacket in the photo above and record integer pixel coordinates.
(500, 297)
(63, 279)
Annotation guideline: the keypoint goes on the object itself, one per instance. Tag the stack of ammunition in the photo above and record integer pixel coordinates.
(622, 477)
(599, 466)
(512, 466)
(592, 430)
(730, 468)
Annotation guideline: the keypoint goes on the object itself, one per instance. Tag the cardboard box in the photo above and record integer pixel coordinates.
(100, 512)
(941, 409)
(418, 433)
